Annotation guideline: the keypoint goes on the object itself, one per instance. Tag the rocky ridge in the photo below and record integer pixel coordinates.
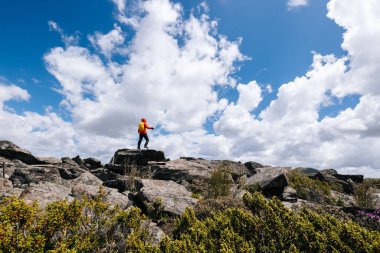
(149, 180)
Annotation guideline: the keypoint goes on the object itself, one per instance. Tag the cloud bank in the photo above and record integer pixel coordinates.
(170, 74)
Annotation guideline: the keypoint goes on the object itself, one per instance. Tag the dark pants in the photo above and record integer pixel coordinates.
(145, 136)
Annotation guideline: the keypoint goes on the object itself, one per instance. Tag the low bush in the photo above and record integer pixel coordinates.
(267, 226)
(374, 182)
(219, 183)
(80, 226)
(310, 189)
(259, 226)
(364, 194)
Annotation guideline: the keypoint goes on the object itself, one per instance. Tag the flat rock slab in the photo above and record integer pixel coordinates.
(50, 160)
(46, 193)
(10, 150)
(191, 169)
(23, 177)
(137, 157)
(85, 178)
(112, 196)
(172, 197)
(269, 178)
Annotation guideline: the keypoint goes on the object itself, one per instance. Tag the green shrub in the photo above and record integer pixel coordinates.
(80, 226)
(90, 225)
(267, 226)
(252, 188)
(364, 194)
(219, 182)
(374, 182)
(310, 189)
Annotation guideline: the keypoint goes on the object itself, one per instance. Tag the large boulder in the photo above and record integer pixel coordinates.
(22, 178)
(355, 178)
(137, 157)
(331, 172)
(45, 193)
(106, 175)
(69, 161)
(69, 172)
(85, 178)
(10, 166)
(271, 180)
(252, 166)
(121, 184)
(111, 196)
(196, 171)
(11, 151)
(92, 163)
(166, 196)
(348, 186)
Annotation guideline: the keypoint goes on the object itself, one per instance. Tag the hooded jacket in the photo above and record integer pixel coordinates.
(143, 126)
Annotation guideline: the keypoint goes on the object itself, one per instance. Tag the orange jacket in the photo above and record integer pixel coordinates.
(143, 131)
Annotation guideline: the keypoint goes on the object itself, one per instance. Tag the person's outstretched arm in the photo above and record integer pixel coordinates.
(148, 127)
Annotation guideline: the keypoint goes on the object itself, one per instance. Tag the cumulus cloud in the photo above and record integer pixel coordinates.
(162, 80)
(289, 131)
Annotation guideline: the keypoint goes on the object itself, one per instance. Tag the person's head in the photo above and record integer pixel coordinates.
(143, 120)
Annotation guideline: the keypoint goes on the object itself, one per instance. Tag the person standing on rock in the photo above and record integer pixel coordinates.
(143, 127)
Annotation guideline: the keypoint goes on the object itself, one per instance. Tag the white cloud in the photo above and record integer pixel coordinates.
(249, 95)
(67, 39)
(289, 133)
(297, 3)
(120, 4)
(269, 88)
(162, 80)
(108, 43)
(11, 92)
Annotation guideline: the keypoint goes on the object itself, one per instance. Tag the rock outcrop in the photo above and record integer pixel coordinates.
(149, 180)
(11, 151)
(194, 173)
(45, 193)
(271, 180)
(164, 196)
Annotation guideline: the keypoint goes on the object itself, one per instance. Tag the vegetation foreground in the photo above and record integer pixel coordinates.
(261, 225)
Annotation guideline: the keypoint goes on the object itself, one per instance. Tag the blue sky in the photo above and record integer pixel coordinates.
(279, 41)
(289, 74)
